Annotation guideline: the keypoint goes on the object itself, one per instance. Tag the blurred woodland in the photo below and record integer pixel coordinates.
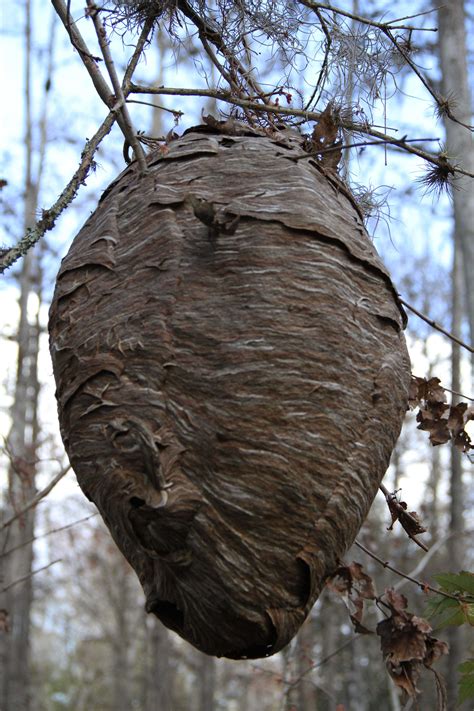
(390, 88)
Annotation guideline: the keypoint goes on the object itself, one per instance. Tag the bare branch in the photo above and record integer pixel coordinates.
(423, 586)
(49, 533)
(253, 105)
(127, 127)
(30, 575)
(88, 60)
(366, 21)
(49, 217)
(436, 326)
(140, 46)
(426, 558)
(36, 499)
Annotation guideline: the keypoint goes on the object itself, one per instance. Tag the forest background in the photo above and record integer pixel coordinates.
(82, 639)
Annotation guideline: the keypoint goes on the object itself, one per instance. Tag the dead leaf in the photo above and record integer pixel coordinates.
(407, 644)
(325, 131)
(423, 390)
(353, 586)
(410, 521)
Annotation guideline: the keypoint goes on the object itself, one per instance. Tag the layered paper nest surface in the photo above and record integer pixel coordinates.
(231, 380)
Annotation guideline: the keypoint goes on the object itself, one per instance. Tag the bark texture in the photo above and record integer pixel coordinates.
(231, 378)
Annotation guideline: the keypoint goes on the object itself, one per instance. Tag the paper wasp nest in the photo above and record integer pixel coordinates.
(231, 377)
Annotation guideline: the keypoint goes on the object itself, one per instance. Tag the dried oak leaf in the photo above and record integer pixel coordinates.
(406, 643)
(353, 586)
(423, 390)
(459, 416)
(434, 419)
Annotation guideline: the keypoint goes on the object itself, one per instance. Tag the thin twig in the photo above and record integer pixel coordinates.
(88, 60)
(253, 105)
(29, 575)
(454, 392)
(436, 325)
(426, 558)
(176, 114)
(315, 665)
(36, 499)
(439, 100)
(127, 128)
(49, 216)
(139, 47)
(401, 142)
(364, 20)
(315, 96)
(49, 533)
(419, 583)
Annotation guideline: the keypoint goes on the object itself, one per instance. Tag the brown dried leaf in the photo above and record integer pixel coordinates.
(411, 523)
(362, 582)
(463, 442)
(423, 390)
(456, 420)
(406, 643)
(432, 420)
(395, 507)
(325, 131)
(353, 586)
(414, 393)
(395, 600)
(332, 158)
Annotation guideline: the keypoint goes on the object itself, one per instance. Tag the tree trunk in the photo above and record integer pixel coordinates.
(158, 696)
(456, 524)
(306, 691)
(22, 445)
(121, 643)
(455, 81)
(207, 682)
(460, 146)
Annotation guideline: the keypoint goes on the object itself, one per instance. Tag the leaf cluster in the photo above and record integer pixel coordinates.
(406, 641)
(407, 644)
(444, 422)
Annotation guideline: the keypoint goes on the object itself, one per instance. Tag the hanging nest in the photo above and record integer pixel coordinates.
(231, 377)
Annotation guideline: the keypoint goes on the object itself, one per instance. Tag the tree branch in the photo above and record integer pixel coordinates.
(127, 128)
(49, 533)
(436, 325)
(254, 105)
(32, 236)
(419, 583)
(36, 499)
(30, 575)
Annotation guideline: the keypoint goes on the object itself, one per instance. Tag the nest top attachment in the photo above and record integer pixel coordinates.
(231, 379)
